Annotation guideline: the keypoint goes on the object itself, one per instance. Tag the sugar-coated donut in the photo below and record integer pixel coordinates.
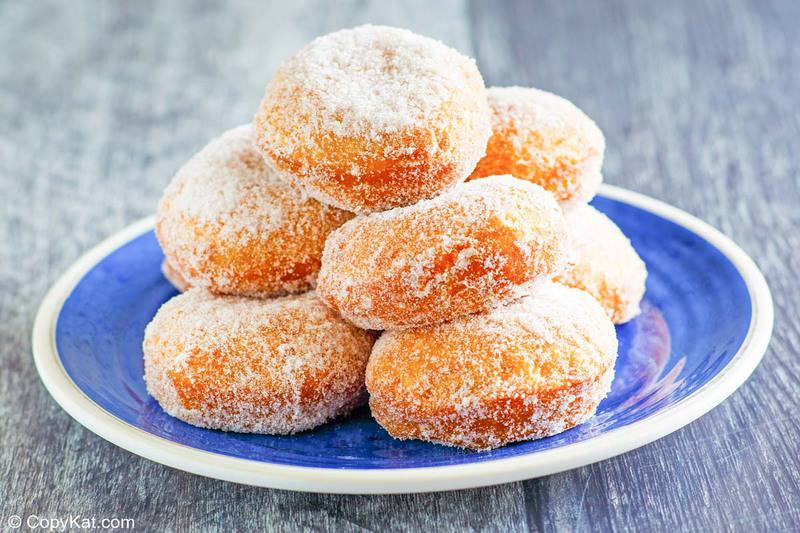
(528, 370)
(374, 117)
(273, 366)
(174, 277)
(226, 223)
(476, 246)
(605, 264)
(545, 139)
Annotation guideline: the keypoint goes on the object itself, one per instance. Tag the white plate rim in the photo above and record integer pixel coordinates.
(407, 480)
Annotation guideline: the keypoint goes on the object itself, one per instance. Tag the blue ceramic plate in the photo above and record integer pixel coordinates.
(706, 322)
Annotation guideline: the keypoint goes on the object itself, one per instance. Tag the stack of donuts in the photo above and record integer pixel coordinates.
(387, 228)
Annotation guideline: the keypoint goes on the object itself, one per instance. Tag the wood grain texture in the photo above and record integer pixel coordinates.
(100, 102)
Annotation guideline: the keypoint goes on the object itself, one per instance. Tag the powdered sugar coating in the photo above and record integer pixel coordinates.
(258, 366)
(174, 277)
(374, 117)
(228, 224)
(605, 264)
(527, 370)
(545, 139)
(477, 246)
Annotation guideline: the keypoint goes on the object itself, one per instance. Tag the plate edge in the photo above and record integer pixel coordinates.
(404, 480)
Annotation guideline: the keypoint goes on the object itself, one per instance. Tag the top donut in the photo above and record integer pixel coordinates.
(374, 117)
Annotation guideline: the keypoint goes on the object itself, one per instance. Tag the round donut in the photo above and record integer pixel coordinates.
(479, 245)
(605, 264)
(374, 117)
(274, 366)
(545, 139)
(227, 224)
(174, 277)
(531, 369)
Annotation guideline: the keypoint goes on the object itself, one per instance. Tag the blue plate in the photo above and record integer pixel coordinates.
(706, 320)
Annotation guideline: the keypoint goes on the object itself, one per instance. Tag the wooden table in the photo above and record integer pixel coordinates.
(100, 102)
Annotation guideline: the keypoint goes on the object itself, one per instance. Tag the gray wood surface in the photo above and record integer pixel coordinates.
(100, 102)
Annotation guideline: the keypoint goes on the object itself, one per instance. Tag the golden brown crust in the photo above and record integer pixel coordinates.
(543, 138)
(502, 421)
(475, 247)
(228, 224)
(373, 118)
(605, 264)
(530, 369)
(262, 366)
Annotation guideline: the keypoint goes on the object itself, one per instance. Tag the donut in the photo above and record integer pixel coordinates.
(227, 224)
(476, 246)
(528, 370)
(545, 139)
(174, 277)
(605, 264)
(275, 366)
(371, 118)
